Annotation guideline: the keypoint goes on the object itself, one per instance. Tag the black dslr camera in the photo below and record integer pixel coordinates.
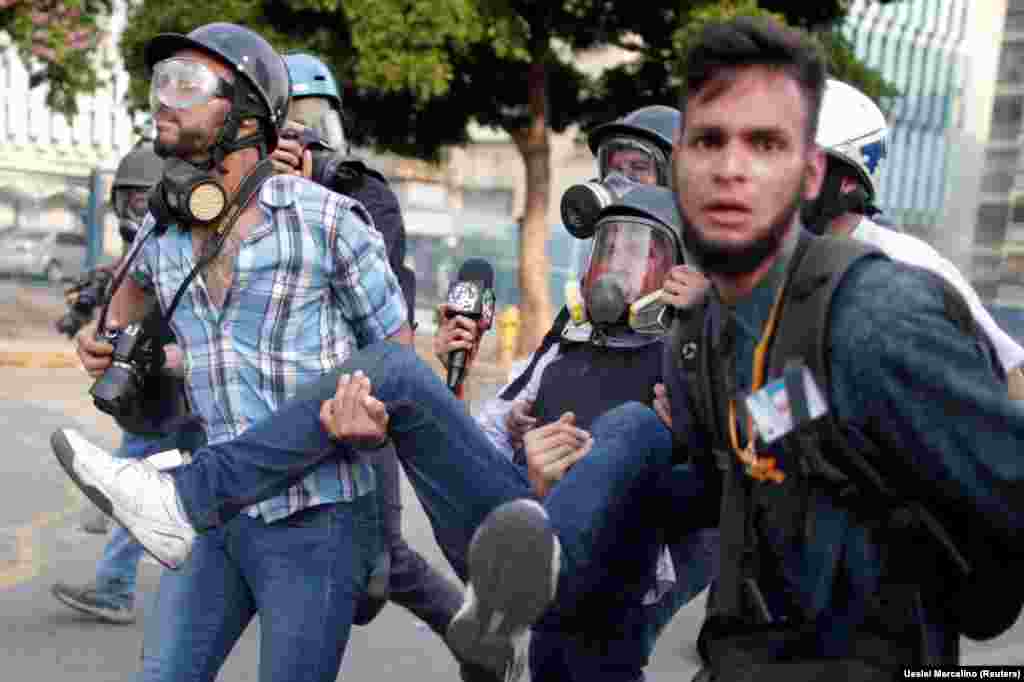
(137, 355)
(82, 297)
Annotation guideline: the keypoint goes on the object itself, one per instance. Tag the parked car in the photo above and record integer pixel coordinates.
(55, 256)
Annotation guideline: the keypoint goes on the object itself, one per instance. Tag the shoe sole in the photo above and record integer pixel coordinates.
(105, 615)
(66, 456)
(512, 562)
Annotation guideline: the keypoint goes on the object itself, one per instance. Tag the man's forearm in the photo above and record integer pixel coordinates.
(403, 335)
(128, 304)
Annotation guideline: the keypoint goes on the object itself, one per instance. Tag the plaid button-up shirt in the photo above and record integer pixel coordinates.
(312, 284)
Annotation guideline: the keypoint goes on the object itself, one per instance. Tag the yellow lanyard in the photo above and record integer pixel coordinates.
(758, 468)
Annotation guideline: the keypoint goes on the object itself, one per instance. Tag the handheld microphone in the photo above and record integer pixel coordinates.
(470, 295)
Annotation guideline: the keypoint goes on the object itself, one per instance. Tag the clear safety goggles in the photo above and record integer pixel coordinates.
(317, 114)
(635, 252)
(635, 159)
(184, 83)
(131, 203)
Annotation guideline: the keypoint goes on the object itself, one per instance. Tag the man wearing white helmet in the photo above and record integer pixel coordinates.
(853, 132)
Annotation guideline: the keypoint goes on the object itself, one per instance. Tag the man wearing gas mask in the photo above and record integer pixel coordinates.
(269, 281)
(607, 354)
(604, 504)
(314, 146)
(111, 597)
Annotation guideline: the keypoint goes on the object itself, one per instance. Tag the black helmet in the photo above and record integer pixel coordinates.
(140, 167)
(656, 123)
(253, 60)
(654, 203)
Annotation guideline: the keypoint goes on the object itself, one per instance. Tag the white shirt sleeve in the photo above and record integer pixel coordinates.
(911, 250)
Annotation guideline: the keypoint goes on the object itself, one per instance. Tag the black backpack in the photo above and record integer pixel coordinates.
(981, 583)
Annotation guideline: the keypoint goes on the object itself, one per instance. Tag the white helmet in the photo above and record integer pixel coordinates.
(852, 129)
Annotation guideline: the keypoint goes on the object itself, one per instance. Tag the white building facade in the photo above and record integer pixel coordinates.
(47, 162)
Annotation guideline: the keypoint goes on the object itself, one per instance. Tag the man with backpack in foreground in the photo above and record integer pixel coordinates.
(860, 424)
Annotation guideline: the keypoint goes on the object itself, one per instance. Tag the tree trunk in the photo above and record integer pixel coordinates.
(532, 142)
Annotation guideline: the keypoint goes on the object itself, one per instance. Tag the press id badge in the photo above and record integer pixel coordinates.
(786, 403)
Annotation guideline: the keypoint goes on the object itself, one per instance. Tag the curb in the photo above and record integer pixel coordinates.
(38, 359)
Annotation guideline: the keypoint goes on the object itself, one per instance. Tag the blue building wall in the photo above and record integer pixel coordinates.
(921, 47)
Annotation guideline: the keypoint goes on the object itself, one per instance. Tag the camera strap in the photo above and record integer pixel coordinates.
(119, 277)
(250, 185)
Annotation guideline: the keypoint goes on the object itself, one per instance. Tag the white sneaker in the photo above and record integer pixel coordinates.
(514, 561)
(134, 492)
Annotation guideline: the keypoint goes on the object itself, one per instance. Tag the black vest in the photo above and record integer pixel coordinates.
(590, 380)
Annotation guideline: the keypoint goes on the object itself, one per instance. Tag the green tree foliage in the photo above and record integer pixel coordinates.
(417, 72)
(57, 40)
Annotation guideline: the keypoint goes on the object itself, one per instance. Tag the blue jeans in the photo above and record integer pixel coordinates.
(581, 654)
(413, 583)
(303, 574)
(118, 568)
(610, 511)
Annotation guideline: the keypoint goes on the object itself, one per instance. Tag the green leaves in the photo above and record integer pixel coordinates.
(416, 72)
(58, 40)
(408, 46)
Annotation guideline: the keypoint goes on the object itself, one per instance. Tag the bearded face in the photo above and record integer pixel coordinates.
(742, 165)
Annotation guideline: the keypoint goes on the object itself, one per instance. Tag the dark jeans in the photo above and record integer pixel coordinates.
(304, 574)
(413, 583)
(610, 510)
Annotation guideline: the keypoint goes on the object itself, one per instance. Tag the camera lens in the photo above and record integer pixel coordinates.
(117, 391)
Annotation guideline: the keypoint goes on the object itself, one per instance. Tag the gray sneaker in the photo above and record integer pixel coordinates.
(134, 492)
(514, 561)
(87, 599)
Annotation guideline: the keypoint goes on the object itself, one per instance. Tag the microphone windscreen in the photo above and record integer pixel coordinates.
(477, 270)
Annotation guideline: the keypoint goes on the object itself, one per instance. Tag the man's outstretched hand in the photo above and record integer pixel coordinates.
(353, 415)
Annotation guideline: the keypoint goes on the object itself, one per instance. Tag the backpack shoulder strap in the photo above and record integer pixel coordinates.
(553, 336)
(686, 371)
(804, 322)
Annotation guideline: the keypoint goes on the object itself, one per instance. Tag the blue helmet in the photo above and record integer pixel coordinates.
(316, 101)
(311, 78)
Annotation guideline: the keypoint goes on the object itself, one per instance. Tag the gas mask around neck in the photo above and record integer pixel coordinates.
(187, 195)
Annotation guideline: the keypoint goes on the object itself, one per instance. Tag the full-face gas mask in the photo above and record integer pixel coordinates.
(629, 261)
(137, 172)
(637, 145)
(636, 241)
(130, 205)
(636, 159)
